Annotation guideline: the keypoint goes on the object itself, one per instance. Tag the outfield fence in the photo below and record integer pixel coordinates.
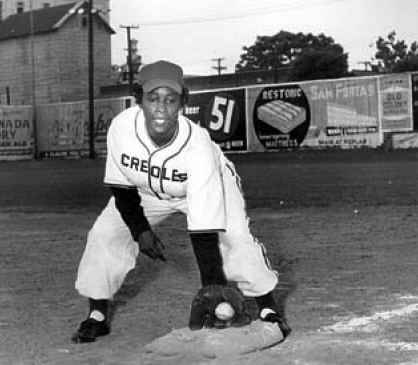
(339, 113)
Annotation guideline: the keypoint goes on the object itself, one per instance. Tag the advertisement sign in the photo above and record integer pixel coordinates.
(344, 113)
(16, 132)
(279, 116)
(396, 103)
(404, 140)
(331, 113)
(222, 113)
(63, 129)
(104, 111)
(415, 101)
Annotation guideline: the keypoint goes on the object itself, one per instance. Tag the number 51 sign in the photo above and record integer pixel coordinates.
(222, 113)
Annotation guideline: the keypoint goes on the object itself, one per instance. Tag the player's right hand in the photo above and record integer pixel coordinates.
(150, 245)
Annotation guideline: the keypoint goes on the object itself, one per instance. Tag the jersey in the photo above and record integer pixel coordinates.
(188, 167)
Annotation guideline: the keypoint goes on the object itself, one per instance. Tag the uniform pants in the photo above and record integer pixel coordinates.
(110, 251)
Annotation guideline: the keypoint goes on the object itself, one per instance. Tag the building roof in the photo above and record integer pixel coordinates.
(45, 20)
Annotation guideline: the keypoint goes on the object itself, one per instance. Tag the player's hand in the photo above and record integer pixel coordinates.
(202, 313)
(150, 245)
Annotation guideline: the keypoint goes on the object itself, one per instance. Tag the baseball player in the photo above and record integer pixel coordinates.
(159, 163)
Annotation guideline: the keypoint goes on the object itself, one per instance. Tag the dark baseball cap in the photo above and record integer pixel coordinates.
(161, 74)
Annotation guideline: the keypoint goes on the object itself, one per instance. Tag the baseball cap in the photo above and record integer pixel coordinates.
(161, 74)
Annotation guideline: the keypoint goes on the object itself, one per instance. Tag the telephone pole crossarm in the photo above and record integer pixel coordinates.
(219, 66)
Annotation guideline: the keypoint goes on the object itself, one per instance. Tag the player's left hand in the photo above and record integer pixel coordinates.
(151, 245)
(204, 303)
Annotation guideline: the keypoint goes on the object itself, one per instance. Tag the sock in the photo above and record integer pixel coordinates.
(97, 315)
(98, 309)
(266, 304)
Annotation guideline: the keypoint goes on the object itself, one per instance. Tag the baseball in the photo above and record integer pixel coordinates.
(224, 311)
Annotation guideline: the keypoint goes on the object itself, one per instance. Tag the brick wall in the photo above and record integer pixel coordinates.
(61, 64)
(14, 69)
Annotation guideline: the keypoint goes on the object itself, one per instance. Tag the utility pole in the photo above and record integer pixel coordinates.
(33, 80)
(129, 60)
(92, 153)
(219, 67)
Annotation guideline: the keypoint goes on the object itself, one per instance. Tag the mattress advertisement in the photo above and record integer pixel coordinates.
(332, 113)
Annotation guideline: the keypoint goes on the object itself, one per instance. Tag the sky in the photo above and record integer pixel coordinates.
(193, 33)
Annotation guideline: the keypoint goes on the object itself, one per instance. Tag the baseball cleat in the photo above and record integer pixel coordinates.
(89, 330)
(274, 317)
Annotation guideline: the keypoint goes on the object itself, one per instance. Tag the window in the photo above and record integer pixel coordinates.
(46, 5)
(20, 7)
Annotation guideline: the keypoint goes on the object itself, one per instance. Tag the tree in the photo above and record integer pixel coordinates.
(393, 55)
(301, 56)
(314, 64)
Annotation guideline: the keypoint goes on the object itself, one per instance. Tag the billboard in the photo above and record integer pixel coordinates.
(344, 113)
(414, 81)
(16, 132)
(279, 116)
(63, 128)
(404, 140)
(338, 113)
(331, 113)
(222, 113)
(396, 102)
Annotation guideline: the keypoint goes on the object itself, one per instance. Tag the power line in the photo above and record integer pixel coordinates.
(255, 12)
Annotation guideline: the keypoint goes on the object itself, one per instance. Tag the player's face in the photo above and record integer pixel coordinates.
(161, 107)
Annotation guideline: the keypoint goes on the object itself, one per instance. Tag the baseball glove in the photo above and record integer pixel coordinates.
(204, 303)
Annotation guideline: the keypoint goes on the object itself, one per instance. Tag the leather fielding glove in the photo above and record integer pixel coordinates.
(150, 245)
(203, 306)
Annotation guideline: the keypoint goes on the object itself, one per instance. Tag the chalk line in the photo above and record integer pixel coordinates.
(369, 323)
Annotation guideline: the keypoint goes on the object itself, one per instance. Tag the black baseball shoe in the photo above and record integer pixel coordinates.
(89, 330)
(274, 317)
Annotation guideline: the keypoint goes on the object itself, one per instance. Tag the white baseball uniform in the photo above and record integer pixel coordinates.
(191, 175)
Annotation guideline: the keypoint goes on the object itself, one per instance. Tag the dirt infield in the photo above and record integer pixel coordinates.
(340, 226)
